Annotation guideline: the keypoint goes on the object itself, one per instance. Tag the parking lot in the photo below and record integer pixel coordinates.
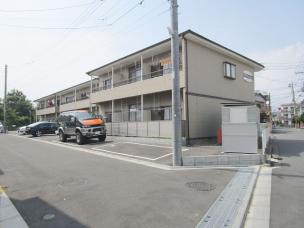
(144, 149)
(91, 186)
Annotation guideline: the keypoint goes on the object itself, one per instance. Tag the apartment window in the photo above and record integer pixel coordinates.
(133, 112)
(134, 73)
(69, 99)
(107, 83)
(162, 113)
(156, 70)
(229, 70)
(167, 68)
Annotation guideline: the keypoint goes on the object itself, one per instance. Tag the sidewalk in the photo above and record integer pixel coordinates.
(9, 216)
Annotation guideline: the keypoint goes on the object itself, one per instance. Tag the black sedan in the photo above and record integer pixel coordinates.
(40, 128)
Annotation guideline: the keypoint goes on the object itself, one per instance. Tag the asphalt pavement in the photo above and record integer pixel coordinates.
(53, 186)
(287, 201)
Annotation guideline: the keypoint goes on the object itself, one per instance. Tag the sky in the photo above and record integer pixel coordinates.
(50, 45)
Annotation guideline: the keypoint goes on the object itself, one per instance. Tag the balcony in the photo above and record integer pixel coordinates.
(82, 103)
(153, 82)
(45, 111)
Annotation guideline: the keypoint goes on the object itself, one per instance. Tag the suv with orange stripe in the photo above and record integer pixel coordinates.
(82, 125)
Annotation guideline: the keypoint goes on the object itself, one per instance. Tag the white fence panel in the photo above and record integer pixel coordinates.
(132, 128)
(153, 129)
(166, 129)
(265, 138)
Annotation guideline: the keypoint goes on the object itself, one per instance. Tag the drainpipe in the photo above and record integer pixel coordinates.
(91, 91)
(112, 79)
(186, 98)
(112, 110)
(142, 107)
(141, 67)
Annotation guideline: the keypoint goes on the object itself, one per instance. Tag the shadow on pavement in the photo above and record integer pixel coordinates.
(276, 131)
(281, 176)
(288, 147)
(34, 209)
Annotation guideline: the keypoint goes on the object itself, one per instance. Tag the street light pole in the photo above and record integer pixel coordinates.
(176, 108)
(4, 101)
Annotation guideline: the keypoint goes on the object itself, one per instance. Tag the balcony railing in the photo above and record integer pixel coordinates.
(67, 102)
(44, 107)
(150, 75)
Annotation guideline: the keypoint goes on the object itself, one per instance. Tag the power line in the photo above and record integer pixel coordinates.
(114, 7)
(49, 9)
(76, 22)
(127, 12)
(125, 31)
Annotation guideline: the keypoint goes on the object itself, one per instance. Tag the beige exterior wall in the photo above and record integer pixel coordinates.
(206, 74)
(45, 111)
(206, 78)
(204, 117)
(83, 104)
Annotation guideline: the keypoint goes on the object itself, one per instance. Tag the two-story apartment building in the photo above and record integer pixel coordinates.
(289, 111)
(133, 93)
(75, 97)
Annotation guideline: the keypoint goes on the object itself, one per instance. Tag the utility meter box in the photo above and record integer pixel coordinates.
(240, 128)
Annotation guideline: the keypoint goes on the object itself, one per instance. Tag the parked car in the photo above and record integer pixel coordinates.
(40, 128)
(1, 128)
(21, 130)
(81, 124)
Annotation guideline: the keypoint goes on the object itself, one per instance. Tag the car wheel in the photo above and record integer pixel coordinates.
(79, 138)
(102, 138)
(62, 136)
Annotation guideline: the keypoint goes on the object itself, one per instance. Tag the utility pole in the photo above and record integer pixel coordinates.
(4, 101)
(293, 100)
(269, 107)
(176, 108)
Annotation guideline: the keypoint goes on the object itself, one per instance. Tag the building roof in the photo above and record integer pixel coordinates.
(186, 34)
(61, 91)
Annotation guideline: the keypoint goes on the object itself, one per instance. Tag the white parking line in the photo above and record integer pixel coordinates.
(160, 146)
(136, 156)
(128, 155)
(166, 155)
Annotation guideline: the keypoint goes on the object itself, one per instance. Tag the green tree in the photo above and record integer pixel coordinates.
(1, 110)
(302, 118)
(19, 109)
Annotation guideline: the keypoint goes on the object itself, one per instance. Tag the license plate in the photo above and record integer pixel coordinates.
(97, 132)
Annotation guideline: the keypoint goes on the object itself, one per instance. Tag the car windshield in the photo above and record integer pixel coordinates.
(85, 116)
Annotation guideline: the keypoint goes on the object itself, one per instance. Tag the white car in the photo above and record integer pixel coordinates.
(21, 130)
(1, 128)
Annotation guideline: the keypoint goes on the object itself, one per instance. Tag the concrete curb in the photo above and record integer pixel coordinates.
(9, 216)
(231, 207)
(258, 213)
(224, 160)
(246, 205)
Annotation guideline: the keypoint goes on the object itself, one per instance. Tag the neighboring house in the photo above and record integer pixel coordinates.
(262, 101)
(134, 92)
